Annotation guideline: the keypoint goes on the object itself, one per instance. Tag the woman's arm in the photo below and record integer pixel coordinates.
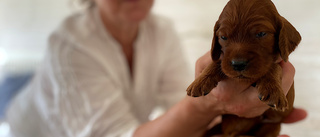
(188, 118)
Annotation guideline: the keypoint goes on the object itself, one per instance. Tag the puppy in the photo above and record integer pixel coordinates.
(249, 37)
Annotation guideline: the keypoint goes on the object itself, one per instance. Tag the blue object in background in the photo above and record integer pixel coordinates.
(9, 88)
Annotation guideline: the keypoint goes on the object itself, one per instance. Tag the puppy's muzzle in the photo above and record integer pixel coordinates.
(239, 64)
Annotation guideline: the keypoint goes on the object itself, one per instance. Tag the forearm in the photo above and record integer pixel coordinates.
(189, 118)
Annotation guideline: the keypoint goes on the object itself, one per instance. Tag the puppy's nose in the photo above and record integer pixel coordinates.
(239, 64)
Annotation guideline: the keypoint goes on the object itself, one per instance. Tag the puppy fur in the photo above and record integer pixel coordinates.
(249, 37)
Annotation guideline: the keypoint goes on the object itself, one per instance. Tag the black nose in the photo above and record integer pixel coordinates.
(239, 65)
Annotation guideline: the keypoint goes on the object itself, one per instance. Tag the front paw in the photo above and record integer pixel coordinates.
(200, 87)
(275, 99)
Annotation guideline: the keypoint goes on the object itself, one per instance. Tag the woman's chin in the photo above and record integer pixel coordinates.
(136, 17)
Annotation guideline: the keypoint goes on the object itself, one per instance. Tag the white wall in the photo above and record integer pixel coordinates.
(24, 28)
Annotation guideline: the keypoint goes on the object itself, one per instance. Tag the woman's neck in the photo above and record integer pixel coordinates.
(125, 33)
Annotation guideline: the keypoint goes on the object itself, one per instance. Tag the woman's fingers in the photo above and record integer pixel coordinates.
(288, 72)
(283, 136)
(296, 115)
(202, 63)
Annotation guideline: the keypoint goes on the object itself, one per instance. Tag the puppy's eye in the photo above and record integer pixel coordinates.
(223, 37)
(261, 34)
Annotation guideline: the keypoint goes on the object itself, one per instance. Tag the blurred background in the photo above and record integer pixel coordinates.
(26, 24)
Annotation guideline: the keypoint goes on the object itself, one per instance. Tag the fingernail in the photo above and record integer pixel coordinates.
(261, 97)
(272, 105)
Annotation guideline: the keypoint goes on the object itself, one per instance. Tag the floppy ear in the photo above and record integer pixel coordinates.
(289, 38)
(215, 46)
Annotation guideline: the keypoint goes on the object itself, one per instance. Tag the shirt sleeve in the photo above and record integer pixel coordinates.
(88, 103)
(176, 72)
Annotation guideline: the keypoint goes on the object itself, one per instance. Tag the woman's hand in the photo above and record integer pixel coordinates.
(241, 99)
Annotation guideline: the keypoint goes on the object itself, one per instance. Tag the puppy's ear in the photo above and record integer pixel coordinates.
(289, 38)
(215, 46)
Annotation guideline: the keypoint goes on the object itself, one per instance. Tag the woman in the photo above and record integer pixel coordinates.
(108, 67)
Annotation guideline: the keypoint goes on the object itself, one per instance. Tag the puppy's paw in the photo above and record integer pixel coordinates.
(200, 87)
(275, 99)
(196, 90)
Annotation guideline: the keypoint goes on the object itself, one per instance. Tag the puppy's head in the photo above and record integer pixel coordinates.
(249, 36)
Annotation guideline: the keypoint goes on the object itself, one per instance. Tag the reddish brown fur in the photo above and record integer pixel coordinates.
(240, 24)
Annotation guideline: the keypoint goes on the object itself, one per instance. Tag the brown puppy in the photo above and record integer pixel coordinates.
(249, 37)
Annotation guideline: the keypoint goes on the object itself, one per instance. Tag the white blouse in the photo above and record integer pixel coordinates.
(84, 87)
